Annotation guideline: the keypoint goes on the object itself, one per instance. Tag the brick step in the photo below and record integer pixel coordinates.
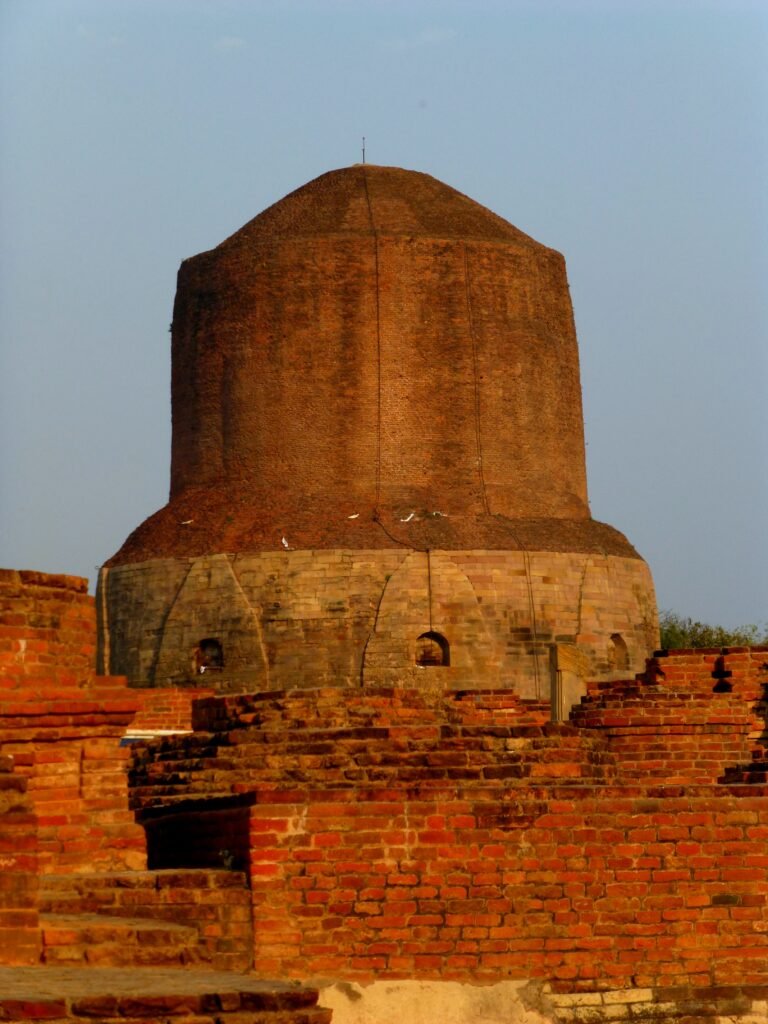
(100, 939)
(384, 706)
(400, 770)
(225, 748)
(96, 892)
(116, 892)
(213, 764)
(213, 903)
(95, 995)
(464, 750)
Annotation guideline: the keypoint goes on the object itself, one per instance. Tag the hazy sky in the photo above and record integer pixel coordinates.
(631, 136)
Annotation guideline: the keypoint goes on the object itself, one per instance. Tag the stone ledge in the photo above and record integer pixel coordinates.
(28, 993)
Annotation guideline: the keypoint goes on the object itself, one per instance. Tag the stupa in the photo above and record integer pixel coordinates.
(378, 471)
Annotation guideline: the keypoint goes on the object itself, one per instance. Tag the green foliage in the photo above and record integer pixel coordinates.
(678, 632)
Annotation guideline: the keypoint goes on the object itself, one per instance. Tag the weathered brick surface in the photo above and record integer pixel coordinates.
(62, 725)
(152, 996)
(430, 344)
(47, 639)
(408, 834)
(166, 709)
(390, 735)
(337, 618)
(20, 936)
(212, 908)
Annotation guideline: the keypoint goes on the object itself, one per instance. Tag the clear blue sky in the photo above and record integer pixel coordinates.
(631, 136)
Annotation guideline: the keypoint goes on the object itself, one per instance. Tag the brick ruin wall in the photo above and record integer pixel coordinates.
(165, 710)
(344, 618)
(454, 848)
(20, 941)
(69, 843)
(62, 725)
(616, 863)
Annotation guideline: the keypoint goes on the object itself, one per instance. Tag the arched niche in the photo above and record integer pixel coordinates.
(618, 652)
(209, 655)
(432, 649)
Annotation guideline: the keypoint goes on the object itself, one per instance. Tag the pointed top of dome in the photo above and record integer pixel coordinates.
(366, 199)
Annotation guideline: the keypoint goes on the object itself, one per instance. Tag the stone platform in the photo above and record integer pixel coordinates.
(152, 994)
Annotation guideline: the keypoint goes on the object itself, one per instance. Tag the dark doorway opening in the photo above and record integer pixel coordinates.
(432, 649)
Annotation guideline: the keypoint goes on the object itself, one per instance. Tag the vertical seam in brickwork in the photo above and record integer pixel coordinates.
(256, 619)
(473, 339)
(581, 597)
(378, 338)
(532, 606)
(372, 631)
(161, 640)
(429, 587)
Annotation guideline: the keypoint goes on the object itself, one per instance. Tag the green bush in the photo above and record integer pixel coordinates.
(678, 632)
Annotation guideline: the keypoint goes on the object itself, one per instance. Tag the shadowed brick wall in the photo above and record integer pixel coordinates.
(20, 937)
(63, 725)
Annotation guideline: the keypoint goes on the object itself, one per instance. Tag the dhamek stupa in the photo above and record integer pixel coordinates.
(378, 470)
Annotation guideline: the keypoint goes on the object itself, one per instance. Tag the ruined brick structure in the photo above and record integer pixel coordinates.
(408, 744)
(612, 867)
(62, 725)
(80, 916)
(416, 853)
(377, 461)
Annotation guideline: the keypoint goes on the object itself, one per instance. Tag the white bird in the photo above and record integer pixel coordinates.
(356, 514)
(186, 522)
(284, 542)
(408, 518)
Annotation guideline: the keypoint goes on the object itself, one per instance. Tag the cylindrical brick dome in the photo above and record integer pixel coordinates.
(377, 337)
(378, 460)
(375, 345)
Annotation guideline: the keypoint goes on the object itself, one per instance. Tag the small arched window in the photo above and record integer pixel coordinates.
(618, 654)
(432, 649)
(209, 656)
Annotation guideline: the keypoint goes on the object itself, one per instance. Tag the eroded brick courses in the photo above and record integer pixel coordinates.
(402, 834)
(62, 725)
(294, 618)
(20, 936)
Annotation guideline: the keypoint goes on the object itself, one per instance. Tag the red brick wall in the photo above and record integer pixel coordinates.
(694, 670)
(20, 940)
(614, 889)
(167, 709)
(402, 834)
(63, 725)
(47, 635)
